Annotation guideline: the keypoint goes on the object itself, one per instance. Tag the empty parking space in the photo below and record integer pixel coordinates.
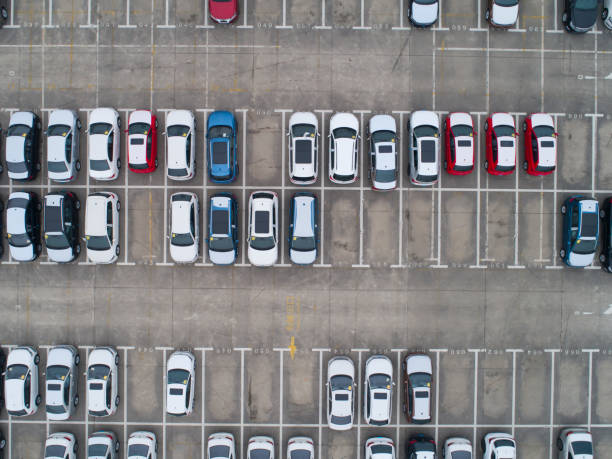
(535, 220)
(602, 369)
(261, 391)
(223, 386)
(419, 225)
(183, 442)
(381, 229)
(572, 372)
(499, 227)
(455, 388)
(495, 388)
(341, 210)
(301, 388)
(533, 372)
(145, 403)
(458, 228)
(575, 153)
(535, 441)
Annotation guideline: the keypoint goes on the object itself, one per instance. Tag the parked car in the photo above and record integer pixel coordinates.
(606, 17)
(63, 145)
(102, 227)
(340, 393)
(2, 371)
(61, 226)
(260, 447)
(23, 146)
(303, 148)
(222, 229)
(263, 228)
(221, 446)
(102, 444)
(343, 148)
(103, 382)
(223, 11)
(303, 229)
(460, 143)
(2, 444)
(1, 248)
(184, 227)
(580, 16)
(21, 382)
(180, 145)
(540, 144)
(180, 383)
(575, 442)
(382, 137)
(23, 225)
(378, 390)
(500, 134)
(605, 212)
(502, 13)
(423, 13)
(222, 145)
(417, 388)
(142, 444)
(61, 445)
(300, 448)
(104, 144)
(457, 448)
(498, 445)
(421, 446)
(142, 141)
(379, 448)
(424, 132)
(4, 15)
(62, 395)
(580, 231)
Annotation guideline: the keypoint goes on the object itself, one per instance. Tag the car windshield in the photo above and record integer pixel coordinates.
(303, 151)
(17, 167)
(56, 241)
(425, 131)
(504, 131)
(219, 152)
(345, 133)
(420, 380)
(302, 130)
(262, 243)
(18, 130)
(507, 2)
(139, 128)
(98, 165)
(177, 172)
(543, 131)
(182, 239)
(462, 130)
(219, 131)
(586, 4)
(461, 455)
(504, 443)
(97, 242)
(585, 246)
(221, 244)
(380, 381)
(259, 454)
(98, 372)
(16, 372)
(341, 382)
(55, 409)
(383, 136)
(19, 240)
(55, 451)
(588, 226)
(138, 450)
(178, 377)
(100, 128)
(56, 166)
(426, 446)
(582, 447)
(60, 130)
(382, 449)
(96, 450)
(340, 420)
(57, 372)
(219, 451)
(385, 176)
(426, 2)
(177, 131)
(303, 244)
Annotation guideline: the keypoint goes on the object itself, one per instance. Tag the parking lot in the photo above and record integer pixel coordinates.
(468, 269)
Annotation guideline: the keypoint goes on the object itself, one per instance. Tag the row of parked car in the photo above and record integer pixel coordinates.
(22, 397)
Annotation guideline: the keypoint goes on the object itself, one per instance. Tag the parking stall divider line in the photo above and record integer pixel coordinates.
(401, 18)
(399, 391)
(400, 220)
(204, 204)
(552, 353)
(87, 348)
(206, 25)
(165, 387)
(513, 352)
(244, 24)
(361, 188)
(167, 25)
(126, 191)
(12, 25)
(127, 17)
(125, 394)
(362, 25)
(475, 418)
(242, 351)
(359, 401)
(322, 26)
(44, 386)
(322, 173)
(516, 202)
(281, 353)
(245, 204)
(283, 113)
(284, 25)
(152, 46)
(320, 428)
(590, 390)
(437, 425)
(203, 395)
(477, 162)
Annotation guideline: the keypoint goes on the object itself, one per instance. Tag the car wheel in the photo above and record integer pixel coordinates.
(486, 126)
(118, 164)
(77, 359)
(38, 400)
(156, 164)
(119, 122)
(76, 400)
(524, 126)
(559, 444)
(2, 443)
(117, 400)
(525, 165)
(118, 205)
(117, 359)
(36, 359)
(486, 164)
(562, 253)
(37, 166)
(77, 165)
(563, 209)
(77, 249)
(117, 446)
(487, 15)
(602, 213)
(602, 258)
(156, 124)
(564, 18)
(38, 206)
(604, 14)
(76, 447)
(117, 250)
(4, 14)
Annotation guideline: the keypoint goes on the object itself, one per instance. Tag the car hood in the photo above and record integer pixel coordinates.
(101, 256)
(344, 155)
(584, 20)
(263, 257)
(424, 14)
(138, 153)
(424, 117)
(14, 388)
(506, 155)
(421, 405)
(547, 155)
(15, 149)
(22, 253)
(176, 403)
(186, 254)
(504, 15)
(382, 123)
(177, 149)
(341, 367)
(580, 260)
(60, 256)
(303, 258)
(222, 258)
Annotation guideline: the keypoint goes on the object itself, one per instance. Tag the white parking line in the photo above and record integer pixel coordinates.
(281, 353)
(244, 201)
(165, 387)
(362, 26)
(125, 207)
(319, 443)
(322, 173)
(127, 17)
(125, 392)
(283, 113)
(359, 404)
(322, 26)
(436, 387)
(590, 390)
(516, 206)
(552, 400)
(284, 26)
(206, 25)
(514, 352)
(401, 18)
(361, 188)
(244, 15)
(203, 395)
(242, 351)
(204, 204)
(400, 213)
(399, 392)
(167, 25)
(475, 423)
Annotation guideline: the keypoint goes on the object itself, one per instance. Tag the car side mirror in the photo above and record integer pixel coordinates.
(45, 132)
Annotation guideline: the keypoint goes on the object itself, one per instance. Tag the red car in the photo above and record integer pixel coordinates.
(223, 11)
(460, 145)
(142, 141)
(501, 136)
(540, 144)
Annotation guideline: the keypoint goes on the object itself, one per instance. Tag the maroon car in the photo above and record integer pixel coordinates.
(223, 11)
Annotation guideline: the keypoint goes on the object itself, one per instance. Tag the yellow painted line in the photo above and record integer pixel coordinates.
(292, 348)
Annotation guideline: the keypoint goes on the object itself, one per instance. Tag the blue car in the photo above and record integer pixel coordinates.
(222, 229)
(580, 231)
(222, 157)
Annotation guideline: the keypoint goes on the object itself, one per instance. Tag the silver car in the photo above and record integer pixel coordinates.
(63, 134)
(62, 382)
(303, 229)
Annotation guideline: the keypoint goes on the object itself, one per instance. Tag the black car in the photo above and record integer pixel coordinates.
(605, 212)
(23, 146)
(2, 364)
(420, 446)
(580, 15)
(61, 226)
(23, 225)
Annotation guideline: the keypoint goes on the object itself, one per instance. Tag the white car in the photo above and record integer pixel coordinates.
(23, 146)
(263, 228)
(423, 13)
(502, 13)
(498, 446)
(606, 17)
(457, 448)
(575, 443)
(382, 137)
(260, 447)
(21, 382)
(142, 445)
(102, 445)
(180, 383)
(104, 144)
(540, 144)
(300, 448)
(424, 132)
(142, 126)
(501, 144)
(379, 448)
(61, 445)
(417, 384)
(102, 382)
(303, 148)
(460, 144)
(180, 145)
(184, 227)
(63, 151)
(378, 390)
(102, 227)
(62, 376)
(23, 225)
(221, 446)
(343, 148)
(340, 393)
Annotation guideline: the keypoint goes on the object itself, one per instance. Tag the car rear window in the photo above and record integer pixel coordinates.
(219, 451)
(582, 447)
(589, 224)
(380, 396)
(385, 149)
(219, 152)
(54, 386)
(547, 143)
(176, 391)
(55, 451)
(507, 143)
(220, 221)
(464, 143)
(303, 151)
(262, 221)
(428, 151)
(421, 394)
(461, 455)
(139, 141)
(382, 449)
(96, 386)
(342, 397)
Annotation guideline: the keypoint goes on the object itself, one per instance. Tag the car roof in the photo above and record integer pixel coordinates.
(303, 218)
(345, 158)
(181, 211)
(95, 215)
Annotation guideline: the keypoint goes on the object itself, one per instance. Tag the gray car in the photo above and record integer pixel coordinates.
(303, 229)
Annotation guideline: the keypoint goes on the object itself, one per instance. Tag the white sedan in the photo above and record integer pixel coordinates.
(180, 145)
(221, 446)
(260, 447)
(502, 13)
(180, 383)
(303, 148)
(382, 137)
(423, 13)
(102, 444)
(185, 227)
(263, 228)
(379, 448)
(498, 445)
(142, 445)
(340, 393)
(457, 448)
(575, 442)
(61, 445)
(21, 382)
(62, 382)
(63, 135)
(102, 227)
(343, 148)
(378, 390)
(102, 382)
(104, 144)
(300, 448)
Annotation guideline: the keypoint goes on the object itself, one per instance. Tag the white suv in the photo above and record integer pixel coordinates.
(104, 144)
(303, 148)
(63, 134)
(180, 145)
(102, 227)
(263, 228)
(343, 148)
(185, 227)
(378, 390)
(424, 132)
